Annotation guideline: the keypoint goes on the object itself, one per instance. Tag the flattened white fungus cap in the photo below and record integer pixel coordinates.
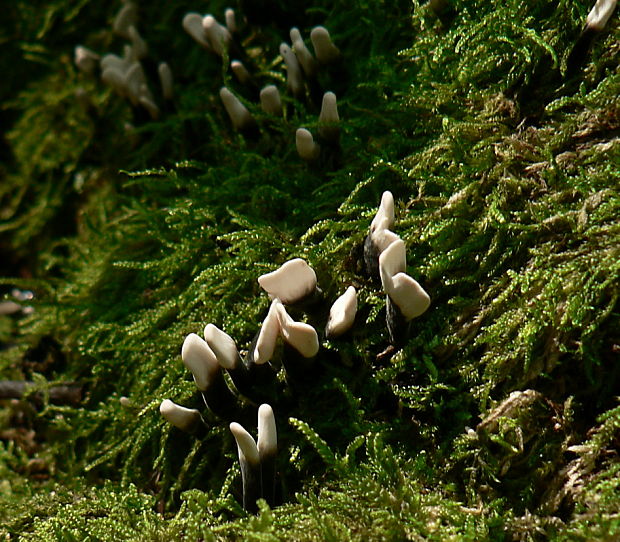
(306, 147)
(301, 336)
(222, 345)
(293, 281)
(324, 48)
(267, 434)
(409, 296)
(600, 14)
(342, 314)
(179, 416)
(238, 113)
(246, 446)
(270, 100)
(403, 290)
(392, 261)
(268, 335)
(192, 24)
(200, 360)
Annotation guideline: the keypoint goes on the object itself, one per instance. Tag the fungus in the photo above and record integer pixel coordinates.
(202, 362)
(85, 59)
(301, 336)
(239, 115)
(241, 72)
(185, 419)
(265, 342)
(267, 444)
(294, 78)
(270, 100)
(307, 148)
(218, 35)
(304, 56)
(230, 19)
(291, 283)
(192, 24)
(329, 120)
(342, 314)
(165, 80)
(125, 18)
(324, 48)
(249, 460)
(379, 236)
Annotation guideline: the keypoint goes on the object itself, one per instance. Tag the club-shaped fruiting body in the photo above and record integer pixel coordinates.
(165, 80)
(304, 56)
(267, 336)
(342, 314)
(138, 45)
(600, 14)
(85, 59)
(192, 24)
(307, 148)
(239, 115)
(200, 360)
(294, 77)
(325, 50)
(186, 419)
(249, 460)
(404, 291)
(223, 346)
(125, 18)
(241, 72)
(270, 100)
(301, 336)
(329, 128)
(267, 444)
(218, 35)
(291, 282)
(379, 236)
(231, 22)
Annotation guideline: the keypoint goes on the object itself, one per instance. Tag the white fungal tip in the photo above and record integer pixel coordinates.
(231, 22)
(181, 417)
(85, 59)
(325, 50)
(306, 146)
(301, 336)
(222, 345)
(218, 35)
(241, 72)
(200, 360)
(270, 100)
(246, 446)
(192, 24)
(267, 336)
(125, 402)
(328, 118)
(600, 14)
(409, 296)
(384, 219)
(238, 113)
(291, 282)
(267, 433)
(342, 314)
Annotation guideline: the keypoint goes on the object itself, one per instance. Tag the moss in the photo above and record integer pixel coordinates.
(497, 418)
